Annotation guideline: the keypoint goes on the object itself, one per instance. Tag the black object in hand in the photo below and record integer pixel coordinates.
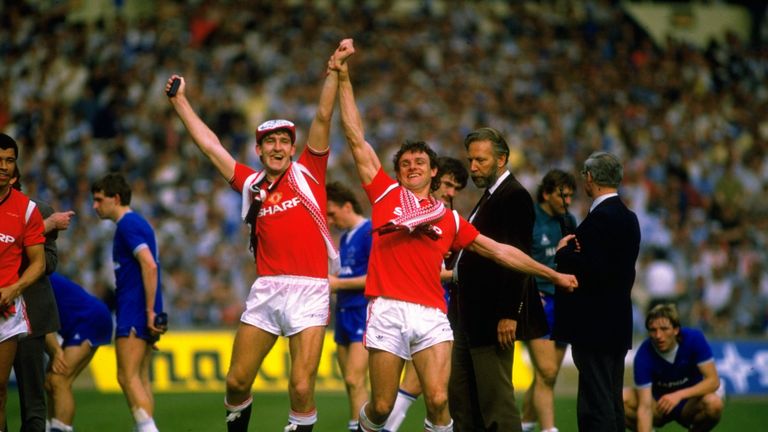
(174, 87)
(161, 320)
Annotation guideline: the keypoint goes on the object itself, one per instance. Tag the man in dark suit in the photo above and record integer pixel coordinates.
(493, 305)
(43, 318)
(596, 319)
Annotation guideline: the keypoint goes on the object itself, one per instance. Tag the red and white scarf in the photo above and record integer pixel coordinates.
(297, 180)
(415, 217)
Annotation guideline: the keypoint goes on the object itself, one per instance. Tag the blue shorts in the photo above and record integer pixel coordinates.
(350, 324)
(136, 323)
(548, 301)
(677, 413)
(96, 330)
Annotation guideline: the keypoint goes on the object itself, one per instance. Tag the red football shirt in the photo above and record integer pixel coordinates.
(407, 266)
(290, 242)
(21, 225)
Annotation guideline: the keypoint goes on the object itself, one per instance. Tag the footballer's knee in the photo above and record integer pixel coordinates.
(712, 406)
(354, 381)
(303, 387)
(237, 384)
(54, 382)
(436, 401)
(380, 408)
(547, 374)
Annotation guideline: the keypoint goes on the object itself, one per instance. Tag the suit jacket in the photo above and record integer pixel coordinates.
(599, 312)
(42, 313)
(488, 292)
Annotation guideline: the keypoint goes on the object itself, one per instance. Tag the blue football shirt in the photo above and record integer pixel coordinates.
(651, 369)
(132, 234)
(354, 250)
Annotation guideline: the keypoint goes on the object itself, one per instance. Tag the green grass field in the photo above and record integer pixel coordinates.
(204, 412)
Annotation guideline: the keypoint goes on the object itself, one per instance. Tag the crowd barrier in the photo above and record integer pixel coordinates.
(197, 361)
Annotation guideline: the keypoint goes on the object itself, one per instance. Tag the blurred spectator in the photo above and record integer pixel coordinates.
(82, 92)
(661, 279)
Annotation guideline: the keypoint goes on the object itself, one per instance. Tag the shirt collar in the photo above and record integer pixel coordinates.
(498, 182)
(602, 198)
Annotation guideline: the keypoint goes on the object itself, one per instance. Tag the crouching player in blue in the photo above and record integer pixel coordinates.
(86, 324)
(675, 377)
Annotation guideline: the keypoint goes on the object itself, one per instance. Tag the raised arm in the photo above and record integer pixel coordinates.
(367, 161)
(320, 129)
(515, 259)
(202, 135)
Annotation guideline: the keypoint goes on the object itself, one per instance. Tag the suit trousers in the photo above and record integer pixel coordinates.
(480, 392)
(599, 406)
(29, 367)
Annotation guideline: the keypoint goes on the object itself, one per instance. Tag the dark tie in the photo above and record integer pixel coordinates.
(483, 199)
(451, 262)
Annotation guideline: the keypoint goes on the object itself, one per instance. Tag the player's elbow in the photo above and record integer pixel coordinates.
(324, 116)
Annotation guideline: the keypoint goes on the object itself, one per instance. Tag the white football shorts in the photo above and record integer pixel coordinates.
(404, 328)
(286, 305)
(16, 324)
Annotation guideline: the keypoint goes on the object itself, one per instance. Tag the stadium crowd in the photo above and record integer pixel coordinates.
(559, 79)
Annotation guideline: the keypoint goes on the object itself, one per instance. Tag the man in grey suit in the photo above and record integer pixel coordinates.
(43, 316)
(596, 319)
(494, 305)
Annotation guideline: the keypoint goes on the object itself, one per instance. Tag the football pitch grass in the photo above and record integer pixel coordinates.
(204, 412)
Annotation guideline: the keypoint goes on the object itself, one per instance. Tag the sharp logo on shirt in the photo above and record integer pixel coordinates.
(5, 238)
(398, 211)
(277, 208)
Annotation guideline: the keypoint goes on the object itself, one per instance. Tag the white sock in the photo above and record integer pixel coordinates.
(59, 425)
(144, 423)
(352, 425)
(304, 419)
(366, 424)
(430, 427)
(529, 426)
(552, 429)
(397, 416)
